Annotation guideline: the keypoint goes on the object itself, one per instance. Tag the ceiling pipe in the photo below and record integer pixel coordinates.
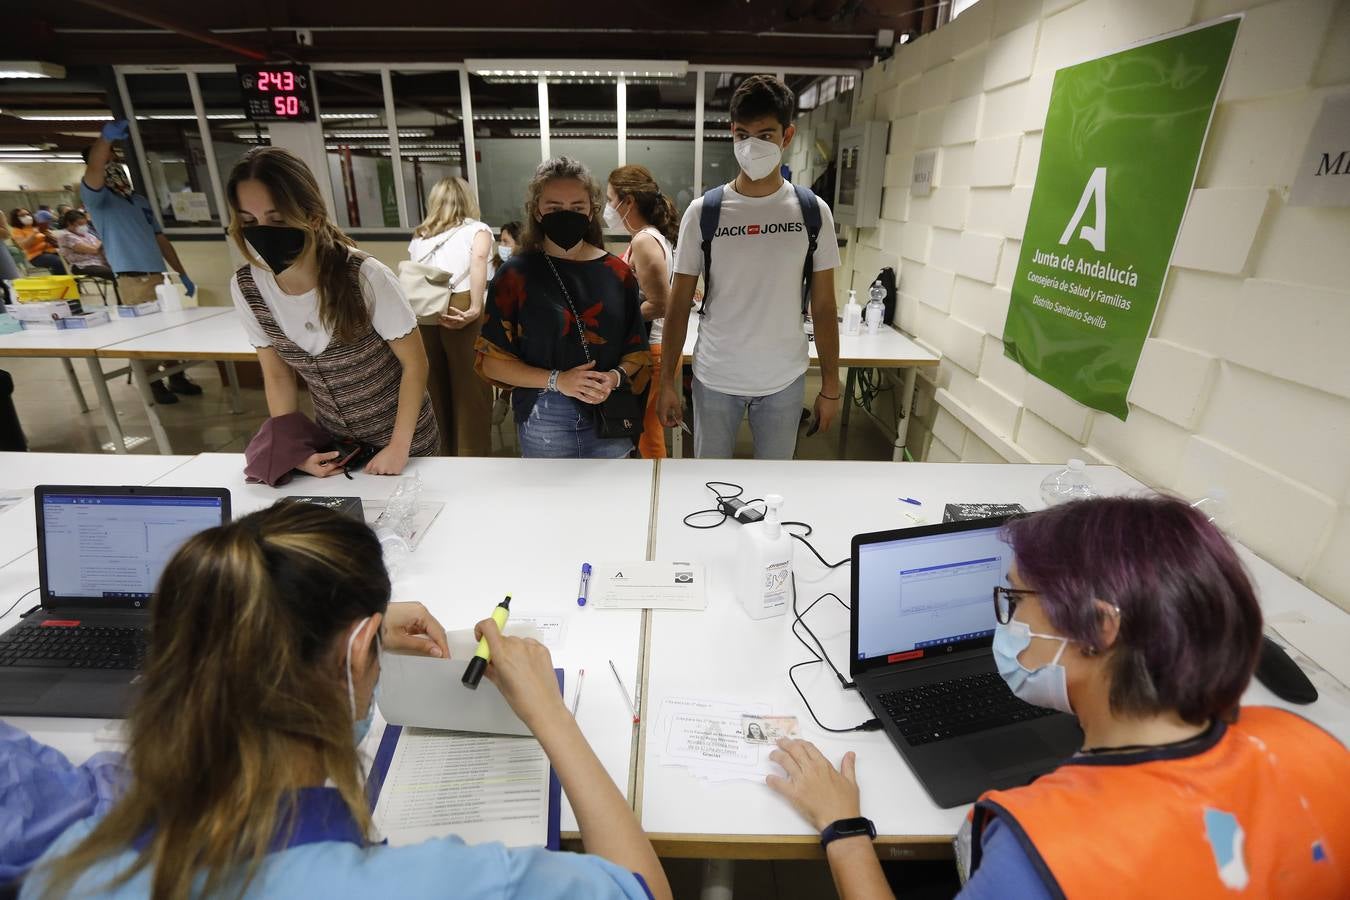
(204, 37)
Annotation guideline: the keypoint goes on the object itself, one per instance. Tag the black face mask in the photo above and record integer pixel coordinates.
(278, 245)
(565, 228)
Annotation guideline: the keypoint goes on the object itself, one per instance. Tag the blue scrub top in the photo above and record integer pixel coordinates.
(128, 228)
(324, 857)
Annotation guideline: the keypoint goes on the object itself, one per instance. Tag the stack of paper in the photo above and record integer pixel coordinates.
(704, 736)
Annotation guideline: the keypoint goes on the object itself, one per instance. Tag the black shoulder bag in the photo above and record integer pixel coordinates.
(621, 414)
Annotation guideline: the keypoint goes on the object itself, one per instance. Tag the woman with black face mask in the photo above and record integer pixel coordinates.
(559, 288)
(311, 303)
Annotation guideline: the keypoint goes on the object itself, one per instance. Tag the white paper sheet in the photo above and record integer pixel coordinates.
(479, 788)
(704, 736)
(547, 630)
(648, 585)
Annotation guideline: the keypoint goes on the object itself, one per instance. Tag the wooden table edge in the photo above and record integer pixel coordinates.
(790, 846)
(185, 355)
(888, 362)
(48, 353)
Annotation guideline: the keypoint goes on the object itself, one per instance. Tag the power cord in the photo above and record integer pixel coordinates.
(17, 602)
(820, 655)
(724, 510)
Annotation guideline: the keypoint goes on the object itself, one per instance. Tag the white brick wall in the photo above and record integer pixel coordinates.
(1244, 381)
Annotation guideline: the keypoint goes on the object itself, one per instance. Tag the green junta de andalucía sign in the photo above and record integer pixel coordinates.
(1122, 140)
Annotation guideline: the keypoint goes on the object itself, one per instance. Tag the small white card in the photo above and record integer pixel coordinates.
(648, 585)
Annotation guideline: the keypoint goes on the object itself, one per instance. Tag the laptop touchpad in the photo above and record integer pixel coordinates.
(22, 688)
(1010, 750)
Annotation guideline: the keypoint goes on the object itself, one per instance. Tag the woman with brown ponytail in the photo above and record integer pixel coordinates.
(311, 303)
(636, 205)
(265, 648)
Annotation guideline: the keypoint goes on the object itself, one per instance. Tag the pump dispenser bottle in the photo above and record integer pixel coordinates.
(765, 581)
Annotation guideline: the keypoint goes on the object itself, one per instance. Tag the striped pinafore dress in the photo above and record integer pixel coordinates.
(354, 385)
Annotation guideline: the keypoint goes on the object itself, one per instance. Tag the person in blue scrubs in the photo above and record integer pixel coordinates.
(132, 239)
(263, 665)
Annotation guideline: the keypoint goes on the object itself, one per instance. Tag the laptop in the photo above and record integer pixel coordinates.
(100, 554)
(920, 654)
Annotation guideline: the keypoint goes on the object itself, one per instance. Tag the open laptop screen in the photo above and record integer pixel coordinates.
(111, 546)
(921, 593)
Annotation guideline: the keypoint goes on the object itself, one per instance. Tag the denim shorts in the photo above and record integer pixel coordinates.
(559, 427)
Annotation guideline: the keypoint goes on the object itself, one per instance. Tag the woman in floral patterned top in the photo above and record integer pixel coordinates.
(531, 340)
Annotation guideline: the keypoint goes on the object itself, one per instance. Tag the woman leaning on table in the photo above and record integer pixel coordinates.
(559, 289)
(264, 659)
(1136, 616)
(314, 305)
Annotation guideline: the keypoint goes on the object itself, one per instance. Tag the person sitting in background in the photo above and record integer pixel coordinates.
(508, 242)
(61, 210)
(133, 242)
(314, 305)
(636, 205)
(38, 247)
(1136, 616)
(80, 247)
(560, 289)
(453, 240)
(265, 646)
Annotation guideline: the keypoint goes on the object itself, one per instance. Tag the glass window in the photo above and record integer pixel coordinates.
(232, 134)
(428, 102)
(506, 138)
(583, 122)
(719, 162)
(173, 149)
(660, 134)
(356, 136)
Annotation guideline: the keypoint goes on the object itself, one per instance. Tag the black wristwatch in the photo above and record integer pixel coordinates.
(848, 828)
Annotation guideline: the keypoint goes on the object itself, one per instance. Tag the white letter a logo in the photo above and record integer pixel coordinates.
(1094, 190)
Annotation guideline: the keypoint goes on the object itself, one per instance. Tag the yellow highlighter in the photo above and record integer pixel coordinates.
(473, 673)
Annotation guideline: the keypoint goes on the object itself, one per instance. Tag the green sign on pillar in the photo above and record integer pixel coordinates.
(1118, 156)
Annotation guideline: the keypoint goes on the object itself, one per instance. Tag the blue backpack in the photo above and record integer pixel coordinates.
(711, 214)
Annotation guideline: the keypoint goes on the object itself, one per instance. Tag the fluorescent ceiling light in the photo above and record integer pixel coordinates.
(584, 69)
(190, 117)
(34, 157)
(72, 116)
(30, 68)
(378, 133)
(337, 117)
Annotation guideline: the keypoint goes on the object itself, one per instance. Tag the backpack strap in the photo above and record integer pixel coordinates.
(708, 218)
(806, 199)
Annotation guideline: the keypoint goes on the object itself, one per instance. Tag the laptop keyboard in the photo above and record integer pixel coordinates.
(74, 647)
(948, 709)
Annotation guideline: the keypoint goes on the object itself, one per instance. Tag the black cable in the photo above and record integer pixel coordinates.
(17, 602)
(803, 538)
(820, 656)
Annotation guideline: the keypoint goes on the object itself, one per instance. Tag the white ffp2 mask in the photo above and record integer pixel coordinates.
(757, 157)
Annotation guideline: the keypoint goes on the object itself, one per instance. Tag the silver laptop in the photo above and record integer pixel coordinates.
(100, 554)
(923, 626)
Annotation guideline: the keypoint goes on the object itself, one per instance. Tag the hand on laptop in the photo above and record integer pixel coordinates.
(409, 628)
(821, 793)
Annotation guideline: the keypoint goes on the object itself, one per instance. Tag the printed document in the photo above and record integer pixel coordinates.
(648, 585)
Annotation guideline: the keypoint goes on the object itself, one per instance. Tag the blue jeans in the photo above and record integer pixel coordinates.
(558, 427)
(774, 420)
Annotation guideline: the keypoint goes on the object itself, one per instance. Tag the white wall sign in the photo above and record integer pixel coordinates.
(190, 206)
(921, 181)
(1323, 178)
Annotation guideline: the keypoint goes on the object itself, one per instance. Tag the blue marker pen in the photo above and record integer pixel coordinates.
(585, 584)
(910, 500)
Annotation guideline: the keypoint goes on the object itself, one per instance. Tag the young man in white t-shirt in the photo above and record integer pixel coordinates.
(751, 356)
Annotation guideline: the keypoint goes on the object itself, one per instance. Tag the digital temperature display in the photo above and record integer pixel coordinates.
(277, 93)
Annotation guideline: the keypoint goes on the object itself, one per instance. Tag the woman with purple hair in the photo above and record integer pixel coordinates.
(1136, 616)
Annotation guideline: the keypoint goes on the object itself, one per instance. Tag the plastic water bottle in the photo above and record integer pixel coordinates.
(876, 307)
(1216, 508)
(1069, 483)
(394, 548)
(853, 313)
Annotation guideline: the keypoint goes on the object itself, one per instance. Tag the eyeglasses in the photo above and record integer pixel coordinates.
(1005, 602)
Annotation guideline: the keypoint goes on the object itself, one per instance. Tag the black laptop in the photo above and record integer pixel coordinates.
(100, 554)
(923, 626)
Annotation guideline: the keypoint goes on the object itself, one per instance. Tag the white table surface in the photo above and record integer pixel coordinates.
(723, 654)
(218, 337)
(510, 526)
(888, 348)
(87, 341)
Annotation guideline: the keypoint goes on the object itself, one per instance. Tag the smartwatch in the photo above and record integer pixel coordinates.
(552, 382)
(848, 828)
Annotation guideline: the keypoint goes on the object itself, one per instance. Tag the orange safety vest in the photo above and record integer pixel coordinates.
(1261, 810)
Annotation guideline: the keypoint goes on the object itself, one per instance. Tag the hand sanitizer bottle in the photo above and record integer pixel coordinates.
(876, 307)
(765, 582)
(170, 295)
(853, 314)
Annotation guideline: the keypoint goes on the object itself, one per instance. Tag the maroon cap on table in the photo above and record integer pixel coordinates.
(280, 446)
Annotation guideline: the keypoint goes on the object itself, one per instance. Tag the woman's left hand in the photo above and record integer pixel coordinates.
(409, 628)
(389, 461)
(455, 319)
(817, 790)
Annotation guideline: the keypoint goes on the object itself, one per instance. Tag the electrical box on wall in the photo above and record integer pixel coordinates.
(860, 168)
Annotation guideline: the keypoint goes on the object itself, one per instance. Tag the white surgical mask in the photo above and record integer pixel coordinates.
(81, 230)
(613, 221)
(361, 726)
(757, 157)
(25, 221)
(1046, 685)
(504, 253)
